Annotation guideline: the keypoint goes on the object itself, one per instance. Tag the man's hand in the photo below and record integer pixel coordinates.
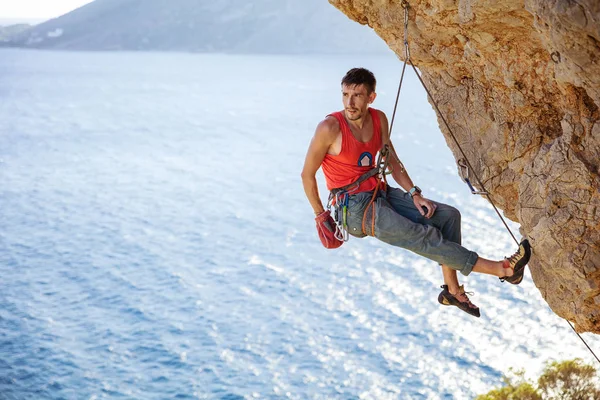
(421, 202)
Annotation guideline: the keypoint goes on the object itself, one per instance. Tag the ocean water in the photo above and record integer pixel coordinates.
(156, 243)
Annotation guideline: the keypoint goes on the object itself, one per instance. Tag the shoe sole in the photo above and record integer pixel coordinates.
(445, 302)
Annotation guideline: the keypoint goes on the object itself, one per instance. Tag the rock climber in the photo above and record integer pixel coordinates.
(345, 145)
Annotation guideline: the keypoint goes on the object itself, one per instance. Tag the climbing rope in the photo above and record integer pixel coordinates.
(406, 59)
(464, 162)
(583, 340)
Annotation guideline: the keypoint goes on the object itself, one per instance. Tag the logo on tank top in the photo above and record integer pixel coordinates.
(365, 159)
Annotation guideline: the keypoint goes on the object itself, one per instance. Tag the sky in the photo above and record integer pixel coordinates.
(38, 9)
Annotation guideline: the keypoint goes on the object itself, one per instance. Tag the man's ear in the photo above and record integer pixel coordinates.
(372, 97)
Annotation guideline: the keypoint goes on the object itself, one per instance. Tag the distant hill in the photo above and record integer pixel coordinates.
(9, 31)
(231, 26)
(18, 21)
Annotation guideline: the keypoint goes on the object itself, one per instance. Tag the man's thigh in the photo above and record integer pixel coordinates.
(403, 204)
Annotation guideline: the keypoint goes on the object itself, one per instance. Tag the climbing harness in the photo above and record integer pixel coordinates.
(464, 165)
(338, 197)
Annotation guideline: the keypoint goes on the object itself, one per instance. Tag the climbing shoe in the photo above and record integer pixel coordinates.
(460, 300)
(517, 263)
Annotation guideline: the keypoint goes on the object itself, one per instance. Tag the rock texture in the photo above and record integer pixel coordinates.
(519, 84)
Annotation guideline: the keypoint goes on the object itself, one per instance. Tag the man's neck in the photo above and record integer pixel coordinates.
(358, 123)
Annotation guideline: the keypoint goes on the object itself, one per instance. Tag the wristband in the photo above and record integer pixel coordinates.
(414, 190)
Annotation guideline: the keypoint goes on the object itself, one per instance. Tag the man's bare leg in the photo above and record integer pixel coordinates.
(482, 266)
(489, 267)
(450, 279)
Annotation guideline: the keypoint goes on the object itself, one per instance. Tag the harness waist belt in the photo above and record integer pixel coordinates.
(356, 183)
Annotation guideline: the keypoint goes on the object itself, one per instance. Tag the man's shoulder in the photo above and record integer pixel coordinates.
(383, 122)
(329, 126)
(380, 114)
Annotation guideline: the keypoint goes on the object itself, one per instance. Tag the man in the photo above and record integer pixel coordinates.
(345, 144)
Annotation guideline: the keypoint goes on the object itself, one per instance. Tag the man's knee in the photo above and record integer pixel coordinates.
(454, 214)
(448, 213)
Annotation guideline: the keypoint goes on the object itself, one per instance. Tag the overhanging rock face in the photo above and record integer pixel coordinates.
(519, 84)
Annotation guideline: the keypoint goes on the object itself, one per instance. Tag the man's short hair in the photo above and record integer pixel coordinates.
(360, 76)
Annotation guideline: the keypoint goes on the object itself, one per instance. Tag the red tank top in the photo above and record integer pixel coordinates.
(355, 157)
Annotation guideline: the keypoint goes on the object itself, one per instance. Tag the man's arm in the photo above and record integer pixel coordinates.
(399, 172)
(324, 137)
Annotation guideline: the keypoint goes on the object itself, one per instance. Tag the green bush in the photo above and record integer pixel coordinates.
(565, 380)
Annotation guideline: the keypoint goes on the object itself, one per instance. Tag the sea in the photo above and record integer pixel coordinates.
(156, 242)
